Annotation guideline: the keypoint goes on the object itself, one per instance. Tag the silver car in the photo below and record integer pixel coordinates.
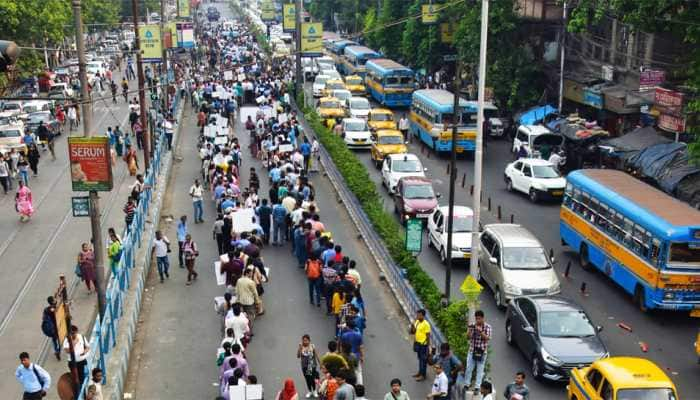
(513, 262)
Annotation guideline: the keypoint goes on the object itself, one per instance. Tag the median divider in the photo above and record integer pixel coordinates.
(384, 236)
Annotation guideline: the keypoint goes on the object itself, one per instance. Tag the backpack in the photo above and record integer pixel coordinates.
(313, 269)
(47, 325)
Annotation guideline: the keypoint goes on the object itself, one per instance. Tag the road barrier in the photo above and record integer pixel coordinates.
(104, 334)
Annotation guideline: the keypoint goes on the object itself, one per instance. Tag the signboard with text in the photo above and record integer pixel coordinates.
(447, 33)
(312, 39)
(80, 206)
(183, 8)
(592, 98)
(289, 19)
(185, 35)
(414, 235)
(429, 14)
(267, 10)
(151, 47)
(671, 123)
(668, 101)
(651, 78)
(90, 164)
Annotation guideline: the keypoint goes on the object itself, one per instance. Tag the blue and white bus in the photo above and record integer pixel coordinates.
(354, 59)
(336, 49)
(432, 116)
(389, 82)
(641, 238)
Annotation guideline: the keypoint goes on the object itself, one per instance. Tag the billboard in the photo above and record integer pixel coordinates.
(447, 33)
(151, 46)
(429, 15)
(267, 10)
(651, 78)
(668, 101)
(289, 19)
(185, 35)
(90, 163)
(312, 39)
(183, 8)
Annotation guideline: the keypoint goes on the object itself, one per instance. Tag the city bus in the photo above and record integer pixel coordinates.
(431, 120)
(389, 82)
(336, 49)
(354, 59)
(646, 241)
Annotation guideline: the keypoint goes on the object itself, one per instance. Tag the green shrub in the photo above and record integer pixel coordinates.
(452, 320)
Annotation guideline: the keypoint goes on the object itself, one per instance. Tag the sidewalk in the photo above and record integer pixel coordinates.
(180, 330)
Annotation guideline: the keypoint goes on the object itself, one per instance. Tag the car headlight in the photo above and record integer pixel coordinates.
(539, 186)
(550, 359)
(669, 296)
(510, 289)
(455, 247)
(554, 289)
(408, 209)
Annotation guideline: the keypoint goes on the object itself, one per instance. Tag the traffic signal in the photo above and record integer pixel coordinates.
(8, 54)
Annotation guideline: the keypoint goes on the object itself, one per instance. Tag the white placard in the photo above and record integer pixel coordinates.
(228, 75)
(220, 278)
(286, 148)
(243, 220)
(220, 140)
(210, 131)
(236, 392)
(254, 392)
(222, 132)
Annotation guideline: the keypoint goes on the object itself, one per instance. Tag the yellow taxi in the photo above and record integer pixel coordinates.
(381, 118)
(387, 141)
(620, 378)
(334, 84)
(330, 108)
(355, 84)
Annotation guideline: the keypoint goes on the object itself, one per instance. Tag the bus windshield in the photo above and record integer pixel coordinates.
(684, 254)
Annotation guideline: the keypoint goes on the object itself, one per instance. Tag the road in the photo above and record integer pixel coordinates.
(670, 336)
(35, 253)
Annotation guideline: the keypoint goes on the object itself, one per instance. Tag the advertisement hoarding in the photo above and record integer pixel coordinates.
(289, 18)
(429, 15)
(312, 39)
(267, 10)
(90, 164)
(150, 43)
(183, 8)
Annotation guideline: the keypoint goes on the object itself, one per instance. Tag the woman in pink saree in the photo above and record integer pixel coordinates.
(23, 202)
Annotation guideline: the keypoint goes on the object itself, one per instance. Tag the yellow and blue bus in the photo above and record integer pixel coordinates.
(354, 59)
(432, 116)
(389, 82)
(641, 238)
(336, 50)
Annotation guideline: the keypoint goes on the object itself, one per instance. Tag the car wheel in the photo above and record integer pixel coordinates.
(509, 184)
(536, 367)
(583, 259)
(430, 241)
(534, 197)
(640, 299)
(509, 333)
(443, 256)
(498, 297)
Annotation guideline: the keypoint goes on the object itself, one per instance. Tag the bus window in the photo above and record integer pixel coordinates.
(392, 80)
(447, 119)
(655, 250)
(406, 80)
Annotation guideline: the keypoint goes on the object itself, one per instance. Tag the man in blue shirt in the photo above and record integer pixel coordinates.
(305, 149)
(227, 203)
(279, 224)
(35, 380)
(329, 254)
(181, 235)
(350, 335)
(275, 174)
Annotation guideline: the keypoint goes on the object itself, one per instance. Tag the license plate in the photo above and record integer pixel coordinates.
(557, 192)
(422, 215)
(467, 255)
(695, 313)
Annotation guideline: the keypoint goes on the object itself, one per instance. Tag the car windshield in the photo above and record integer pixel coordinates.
(10, 133)
(524, 258)
(646, 394)
(544, 172)
(341, 95)
(329, 104)
(359, 104)
(684, 254)
(11, 106)
(321, 80)
(381, 117)
(565, 324)
(36, 118)
(336, 85)
(355, 126)
(353, 81)
(462, 223)
(390, 140)
(31, 109)
(406, 166)
(418, 192)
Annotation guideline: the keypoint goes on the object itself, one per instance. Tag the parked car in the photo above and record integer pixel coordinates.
(537, 178)
(554, 334)
(63, 89)
(533, 137)
(621, 378)
(35, 118)
(386, 141)
(11, 138)
(356, 133)
(415, 198)
(12, 108)
(462, 227)
(381, 118)
(397, 166)
(512, 262)
(359, 107)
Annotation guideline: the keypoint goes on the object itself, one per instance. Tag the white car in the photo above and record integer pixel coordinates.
(96, 67)
(356, 133)
(396, 166)
(537, 178)
(343, 95)
(324, 62)
(62, 88)
(332, 72)
(319, 85)
(462, 226)
(359, 107)
(532, 137)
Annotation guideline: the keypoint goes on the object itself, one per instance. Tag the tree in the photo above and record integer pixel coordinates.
(389, 31)
(369, 27)
(420, 46)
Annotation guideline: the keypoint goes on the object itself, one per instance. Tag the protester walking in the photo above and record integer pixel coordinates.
(197, 193)
(23, 202)
(161, 247)
(189, 248)
(517, 390)
(306, 353)
(288, 392)
(34, 379)
(181, 236)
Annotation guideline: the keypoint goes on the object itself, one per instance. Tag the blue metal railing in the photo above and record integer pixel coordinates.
(104, 333)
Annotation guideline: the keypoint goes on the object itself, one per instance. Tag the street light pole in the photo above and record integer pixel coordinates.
(479, 157)
(453, 177)
(142, 92)
(297, 9)
(562, 42)
(164, 68)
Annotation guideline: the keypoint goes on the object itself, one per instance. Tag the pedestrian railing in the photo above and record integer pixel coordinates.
(104, 333)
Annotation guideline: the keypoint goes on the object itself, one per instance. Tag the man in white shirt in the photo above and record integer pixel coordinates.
(403, 126)
(161, 246)
(237, 321)
(81, 350)
(196, 192)
(440, 384)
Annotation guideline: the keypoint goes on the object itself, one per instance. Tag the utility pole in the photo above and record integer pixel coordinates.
(164, 68)
(562, 43)
(453, 177)
(142, 92)
(95, 224)
(479, 156)
(297, 9)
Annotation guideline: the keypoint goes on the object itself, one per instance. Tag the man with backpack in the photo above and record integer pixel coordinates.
(34, 379)
(49, 326)
(313, 274)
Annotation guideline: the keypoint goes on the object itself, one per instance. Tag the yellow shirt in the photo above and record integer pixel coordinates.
(422, 331)
(336, 303)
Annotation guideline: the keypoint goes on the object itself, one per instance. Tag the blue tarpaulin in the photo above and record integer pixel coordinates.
(536, 114)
